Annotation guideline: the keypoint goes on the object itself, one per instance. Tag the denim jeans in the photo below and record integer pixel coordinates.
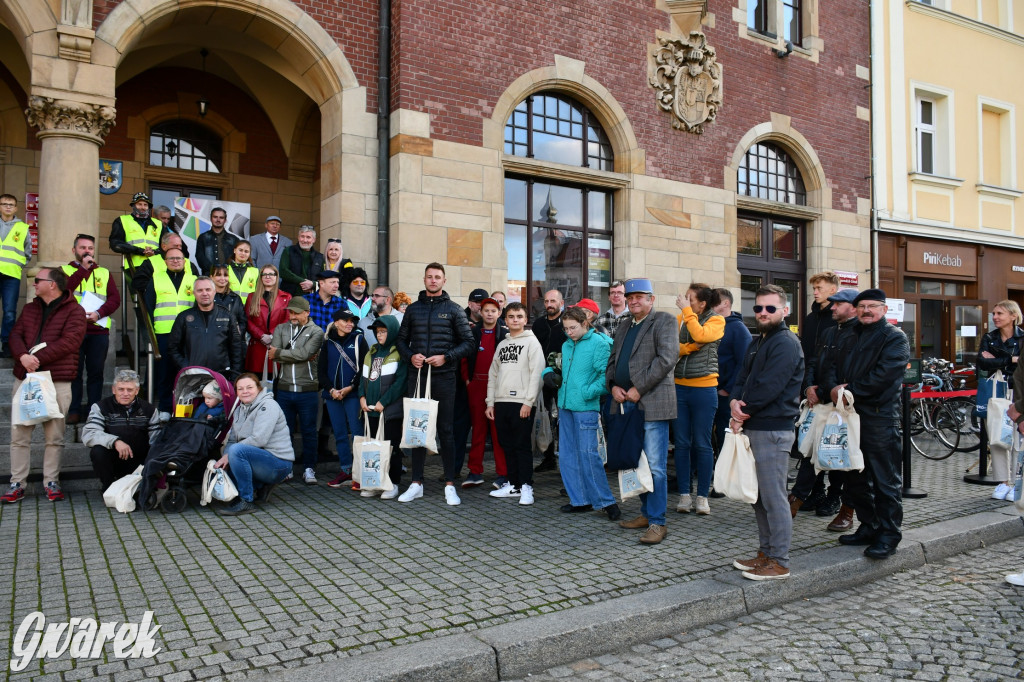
(304, 407)
(251, 467)
(92, 355)
(9, 289)
(346, 422)
(652, 505)
(695, 416)
(722, 416)
(579, 461)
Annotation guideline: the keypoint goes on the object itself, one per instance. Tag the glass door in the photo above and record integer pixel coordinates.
(968, 318)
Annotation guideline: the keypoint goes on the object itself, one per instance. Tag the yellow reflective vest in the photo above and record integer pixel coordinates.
(14, 250)
(134, 235)
(248, 283)
(96, 282)
(171, 301)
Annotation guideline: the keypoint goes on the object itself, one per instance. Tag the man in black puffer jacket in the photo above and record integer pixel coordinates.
(207, 335)
(871, 365)
(435, 332)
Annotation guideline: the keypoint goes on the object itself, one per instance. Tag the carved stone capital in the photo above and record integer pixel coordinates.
(688, 80)
(69, 118)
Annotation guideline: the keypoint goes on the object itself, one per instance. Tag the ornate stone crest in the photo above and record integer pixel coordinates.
(688, 81)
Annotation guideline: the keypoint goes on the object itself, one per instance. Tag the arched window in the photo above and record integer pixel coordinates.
(558, 234)
(767, 172)
(550, 127)
(185, 145)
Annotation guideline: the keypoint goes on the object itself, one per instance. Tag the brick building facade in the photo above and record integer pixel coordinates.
(292, 92)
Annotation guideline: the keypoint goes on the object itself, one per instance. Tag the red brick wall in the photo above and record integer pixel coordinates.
(264, 154)
(458, 57)
(352, 23)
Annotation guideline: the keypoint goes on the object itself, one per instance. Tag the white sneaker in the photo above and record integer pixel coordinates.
(309, 476)
(1011, 494)
(368, 493)
(526, 494)
(1016, 579)
(703, 508)
(415, 490)
(685, 504)
(390, 494)
(505, 491)
(451, 497)
(1000, 492)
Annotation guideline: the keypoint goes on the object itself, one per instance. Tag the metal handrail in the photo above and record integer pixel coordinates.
(141, 312)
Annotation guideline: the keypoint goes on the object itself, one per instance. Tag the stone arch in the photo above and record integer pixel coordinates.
(296, 45)
(819, 194)
(25, 19)
(567, 76)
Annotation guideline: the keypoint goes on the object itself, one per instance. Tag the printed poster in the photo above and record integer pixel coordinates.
(192, 218)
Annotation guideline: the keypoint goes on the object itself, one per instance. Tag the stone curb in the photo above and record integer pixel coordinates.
(516, 649)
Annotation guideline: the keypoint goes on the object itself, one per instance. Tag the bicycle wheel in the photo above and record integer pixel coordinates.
(967, 423)
(939, 432)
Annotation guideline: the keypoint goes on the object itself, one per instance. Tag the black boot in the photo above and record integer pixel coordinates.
(830, 506)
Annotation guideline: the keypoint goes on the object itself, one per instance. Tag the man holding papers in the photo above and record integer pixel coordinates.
(95, 291)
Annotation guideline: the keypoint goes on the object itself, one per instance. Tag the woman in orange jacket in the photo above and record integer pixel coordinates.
(696, 377)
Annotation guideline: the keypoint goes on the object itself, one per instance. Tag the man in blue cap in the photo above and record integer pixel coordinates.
(640, 377)
(871, 361)
(815, 368)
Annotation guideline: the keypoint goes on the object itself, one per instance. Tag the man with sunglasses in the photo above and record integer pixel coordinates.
(765, 404)
(14, 255)
(45, 338)
(870, 364)
(354, 292)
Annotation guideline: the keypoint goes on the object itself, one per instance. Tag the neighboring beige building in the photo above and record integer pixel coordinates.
(946, 189)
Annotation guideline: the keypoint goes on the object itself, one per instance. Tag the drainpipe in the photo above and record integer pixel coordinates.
(383, 137)
(875, 63)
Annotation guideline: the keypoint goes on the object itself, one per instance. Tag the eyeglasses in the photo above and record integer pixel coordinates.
(174, 259)
(268, 274)
(37, 280)
(359, 281)
(870, 306)
(770, 309)
(8, 204)
(379, 296)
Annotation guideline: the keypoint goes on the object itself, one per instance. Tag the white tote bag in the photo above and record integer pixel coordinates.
(735, 471)
(819, 417)
(838, 447)
(999, 425)
(419, 422)
(371, 458)
(35, 401)
(217, 485)
(121, 493)
(633, 482)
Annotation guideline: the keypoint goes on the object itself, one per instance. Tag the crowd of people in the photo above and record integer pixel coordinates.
(314, 351)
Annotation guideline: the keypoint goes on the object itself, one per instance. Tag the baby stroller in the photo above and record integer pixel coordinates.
(185, 444)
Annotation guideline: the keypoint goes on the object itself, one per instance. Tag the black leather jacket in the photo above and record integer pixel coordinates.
(872, 360)
(816, 370)
(435, 325)
(206, 249)
(1004, 351)
(212, 340)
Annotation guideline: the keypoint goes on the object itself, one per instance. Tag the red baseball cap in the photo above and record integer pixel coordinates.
(589, 304)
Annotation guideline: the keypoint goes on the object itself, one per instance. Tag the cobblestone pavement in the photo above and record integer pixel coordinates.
(320, 574)
(954, 620)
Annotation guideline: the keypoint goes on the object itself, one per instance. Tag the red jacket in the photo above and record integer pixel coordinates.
(259, 325)
(63, 334)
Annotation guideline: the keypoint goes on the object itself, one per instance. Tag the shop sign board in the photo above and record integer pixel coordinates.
(937, 258)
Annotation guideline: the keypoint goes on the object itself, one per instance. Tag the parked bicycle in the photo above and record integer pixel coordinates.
(943, 418)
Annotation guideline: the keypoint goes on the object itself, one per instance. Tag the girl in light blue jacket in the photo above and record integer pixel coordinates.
(584, 361)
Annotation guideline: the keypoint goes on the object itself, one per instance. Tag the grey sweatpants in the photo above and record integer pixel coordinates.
(774, 519)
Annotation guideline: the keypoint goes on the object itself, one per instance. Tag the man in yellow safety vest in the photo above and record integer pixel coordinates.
(14, 254)
(95, 291)
(136, 234)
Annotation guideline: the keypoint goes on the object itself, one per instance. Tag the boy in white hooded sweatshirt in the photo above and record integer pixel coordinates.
(513, 387)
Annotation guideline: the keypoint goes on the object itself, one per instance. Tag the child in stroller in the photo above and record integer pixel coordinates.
(192, 436)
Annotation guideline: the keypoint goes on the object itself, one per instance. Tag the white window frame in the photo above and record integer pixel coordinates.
(944, 152)
(920, 130)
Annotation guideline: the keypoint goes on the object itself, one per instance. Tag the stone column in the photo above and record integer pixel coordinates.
(69, 197)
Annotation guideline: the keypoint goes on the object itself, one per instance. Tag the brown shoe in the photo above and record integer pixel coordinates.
(769, 570)
(654, 535)
(750, 564)
(794, 505)
(843, 520)
(638, 522)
